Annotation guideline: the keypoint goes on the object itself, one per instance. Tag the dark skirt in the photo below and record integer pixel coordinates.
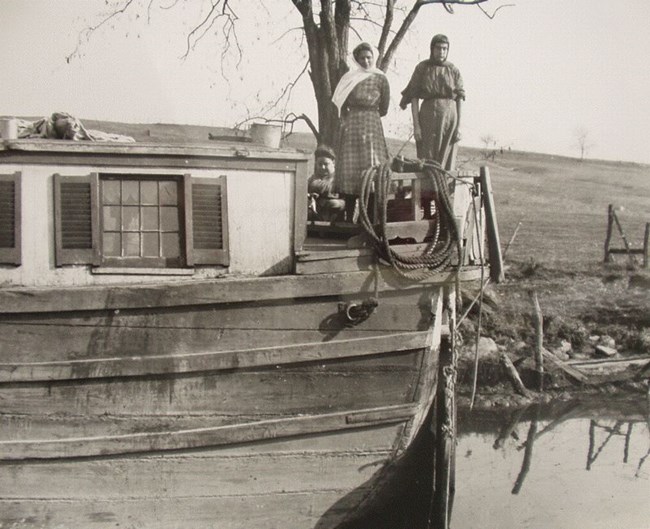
(438, 119)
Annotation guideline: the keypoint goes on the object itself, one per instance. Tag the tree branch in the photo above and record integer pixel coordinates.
(388, 22)
(399, 36)
(85, 33)
(495, 11)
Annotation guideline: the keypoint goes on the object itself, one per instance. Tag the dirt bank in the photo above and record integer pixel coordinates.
(596, 320)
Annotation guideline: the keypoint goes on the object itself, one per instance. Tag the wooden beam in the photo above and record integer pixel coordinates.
(214, 291)
(201, 437)
(646, 246)
(608, 236)
(492, 228)
(158, 364)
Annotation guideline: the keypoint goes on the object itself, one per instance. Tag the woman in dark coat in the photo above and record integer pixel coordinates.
(362, 96)
(439, 85)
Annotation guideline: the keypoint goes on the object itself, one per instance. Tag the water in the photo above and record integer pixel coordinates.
(568, 466)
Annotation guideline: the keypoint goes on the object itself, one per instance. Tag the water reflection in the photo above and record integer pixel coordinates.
(570, 465)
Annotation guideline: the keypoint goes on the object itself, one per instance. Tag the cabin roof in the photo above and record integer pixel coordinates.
(211, 149)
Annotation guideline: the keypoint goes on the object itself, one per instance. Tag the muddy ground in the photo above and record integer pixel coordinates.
(607, 304)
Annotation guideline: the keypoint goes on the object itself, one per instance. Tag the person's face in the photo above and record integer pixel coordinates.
(364, 58)
(324, 166)
(440, 50)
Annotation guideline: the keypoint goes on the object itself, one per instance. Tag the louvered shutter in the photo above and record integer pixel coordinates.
(206, 216)
(10, 242)
(76, 219)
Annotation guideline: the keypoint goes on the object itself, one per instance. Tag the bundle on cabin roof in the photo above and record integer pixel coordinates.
(63, 126)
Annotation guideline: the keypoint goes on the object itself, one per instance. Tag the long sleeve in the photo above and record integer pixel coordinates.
(384, 101)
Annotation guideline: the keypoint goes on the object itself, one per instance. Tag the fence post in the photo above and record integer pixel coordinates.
(608, 237)
(646, 248)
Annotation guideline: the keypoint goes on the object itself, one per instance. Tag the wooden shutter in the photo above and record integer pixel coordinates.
(10, 242)
(206, 216)
(76, 219)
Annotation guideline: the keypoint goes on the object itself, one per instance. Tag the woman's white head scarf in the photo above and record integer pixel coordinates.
(353, 78)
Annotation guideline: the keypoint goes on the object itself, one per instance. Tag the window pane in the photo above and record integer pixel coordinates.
(169, 219)
(150, 218)
(111, 191)
(112, 218)
(168, 193)
(170, 245)
(150, 245)
(131, 245)
(149, 192)
(130, 218)
(130, 192)
(112, 246)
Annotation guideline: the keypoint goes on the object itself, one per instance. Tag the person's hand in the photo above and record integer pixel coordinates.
(417, 134)
(456, 137)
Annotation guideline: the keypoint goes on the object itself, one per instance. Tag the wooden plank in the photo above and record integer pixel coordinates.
(288, 511)
(220, 290)
(630, 251)
(331, 266)
(199, 437)
(300, 206)
(311, 387)
(492, 228)
(152, 362)
(198, 473)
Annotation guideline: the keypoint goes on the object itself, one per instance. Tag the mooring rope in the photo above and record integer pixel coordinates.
(444, 237)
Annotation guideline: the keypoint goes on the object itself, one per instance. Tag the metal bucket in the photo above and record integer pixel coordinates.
(266, 134)
(8, 128)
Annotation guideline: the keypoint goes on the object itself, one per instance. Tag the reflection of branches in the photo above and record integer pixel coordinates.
(85, 33)
(528, 455)
(641, 461)
(592, 456)
(572, 410)
(508, 430)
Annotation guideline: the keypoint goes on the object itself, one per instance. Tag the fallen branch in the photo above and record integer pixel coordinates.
(513, 375)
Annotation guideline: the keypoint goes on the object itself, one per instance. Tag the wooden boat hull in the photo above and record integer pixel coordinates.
(248, 413)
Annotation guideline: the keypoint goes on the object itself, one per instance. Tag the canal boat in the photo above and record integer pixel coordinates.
(182, 348)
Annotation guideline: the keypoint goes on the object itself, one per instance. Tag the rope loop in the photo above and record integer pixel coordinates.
(443, 239)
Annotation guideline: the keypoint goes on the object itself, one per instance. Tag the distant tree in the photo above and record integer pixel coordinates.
(489, 143)
(583, 142)
(326, 27)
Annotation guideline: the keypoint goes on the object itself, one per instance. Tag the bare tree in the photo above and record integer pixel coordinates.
(326, 27)
(583, 142)
(489, 143)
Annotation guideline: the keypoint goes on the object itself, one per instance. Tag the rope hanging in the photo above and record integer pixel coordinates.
(443, 238)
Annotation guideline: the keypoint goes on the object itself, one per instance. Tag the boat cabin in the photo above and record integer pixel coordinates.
(93, 213)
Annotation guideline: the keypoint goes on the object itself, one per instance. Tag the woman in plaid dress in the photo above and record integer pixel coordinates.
(362, 97)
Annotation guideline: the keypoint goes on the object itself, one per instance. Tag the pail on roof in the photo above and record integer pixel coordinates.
(8, 128)
(266, 134)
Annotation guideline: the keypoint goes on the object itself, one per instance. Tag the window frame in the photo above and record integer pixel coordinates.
(145, 262)
(190, 257)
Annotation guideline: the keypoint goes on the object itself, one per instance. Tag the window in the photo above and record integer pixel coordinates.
(150, 221)
(10, 219)
(141, 221)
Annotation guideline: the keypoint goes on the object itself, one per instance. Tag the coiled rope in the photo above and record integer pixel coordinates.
(443, 240)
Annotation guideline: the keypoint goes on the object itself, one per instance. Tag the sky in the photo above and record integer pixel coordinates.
(535, 74)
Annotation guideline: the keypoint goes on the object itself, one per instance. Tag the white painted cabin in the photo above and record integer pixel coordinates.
(81, 213)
